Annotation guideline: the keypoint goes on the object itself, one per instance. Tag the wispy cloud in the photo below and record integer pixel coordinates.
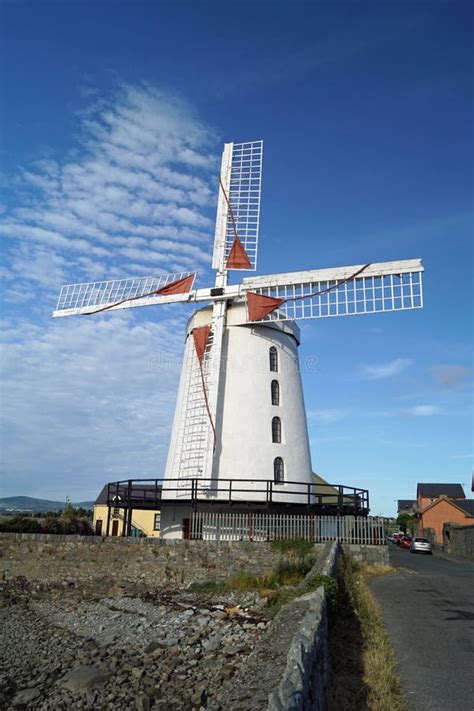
(137, 189)
(379, 371)
(86, 401)
(422, 411)
(328, 416)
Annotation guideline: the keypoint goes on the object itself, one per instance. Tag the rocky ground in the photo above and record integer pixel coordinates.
(68, 648)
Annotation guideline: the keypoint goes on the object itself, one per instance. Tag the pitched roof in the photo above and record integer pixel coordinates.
(405, 504)
(432, 491)
(466, 505)
(137, 488)
(326, 487)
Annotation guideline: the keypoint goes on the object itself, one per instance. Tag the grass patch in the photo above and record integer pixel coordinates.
(282, 596)
(208, 587)
(363, 666)
(286, 572)
(374, 570)
(277, 585)
(246, 581)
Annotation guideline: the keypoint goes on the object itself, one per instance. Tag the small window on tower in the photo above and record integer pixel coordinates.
(276, 430)
(275, 392)
(278, 471)
(273, 359)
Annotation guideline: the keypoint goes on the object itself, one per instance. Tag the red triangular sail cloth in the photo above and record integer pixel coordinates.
(181, 286)
(200, 336)
(259, 305)
(238, 257)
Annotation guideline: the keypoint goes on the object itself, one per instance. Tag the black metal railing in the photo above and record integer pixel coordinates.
(158, 493)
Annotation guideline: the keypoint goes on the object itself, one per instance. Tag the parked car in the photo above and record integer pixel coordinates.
(421, 545)
(406, 542)
(397, 539)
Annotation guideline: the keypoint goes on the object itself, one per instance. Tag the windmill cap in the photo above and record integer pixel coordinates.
(237, 316)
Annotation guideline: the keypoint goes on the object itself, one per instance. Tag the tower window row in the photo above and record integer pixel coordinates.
(278, 464)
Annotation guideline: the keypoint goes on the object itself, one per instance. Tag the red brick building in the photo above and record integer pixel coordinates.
(427, 494)
(442, 503)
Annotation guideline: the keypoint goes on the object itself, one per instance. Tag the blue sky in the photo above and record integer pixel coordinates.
(113, 115)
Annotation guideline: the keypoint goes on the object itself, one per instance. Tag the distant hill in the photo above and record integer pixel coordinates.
(28, 503)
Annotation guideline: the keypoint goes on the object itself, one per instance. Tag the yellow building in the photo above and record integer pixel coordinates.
(144, 522)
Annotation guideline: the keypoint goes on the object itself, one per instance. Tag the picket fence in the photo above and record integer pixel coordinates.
(271, 527)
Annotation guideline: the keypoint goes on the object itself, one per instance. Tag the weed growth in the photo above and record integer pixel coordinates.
(208, 587)
(363, 667)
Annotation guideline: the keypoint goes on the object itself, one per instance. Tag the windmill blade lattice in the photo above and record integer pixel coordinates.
(238, 209)
(123, 293)
(344, 291)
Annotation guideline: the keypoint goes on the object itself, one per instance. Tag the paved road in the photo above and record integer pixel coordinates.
(428, 607)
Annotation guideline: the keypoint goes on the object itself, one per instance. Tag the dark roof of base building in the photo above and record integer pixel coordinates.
(405, 504)
(467, 505)
(432, 491)
(136, 489)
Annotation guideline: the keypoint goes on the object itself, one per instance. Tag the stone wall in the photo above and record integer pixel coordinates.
(288, 668)
(303, 684)
(459, 540)
(368, 554)
(122, 560)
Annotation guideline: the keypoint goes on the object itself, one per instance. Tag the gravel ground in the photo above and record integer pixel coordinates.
(64, 648)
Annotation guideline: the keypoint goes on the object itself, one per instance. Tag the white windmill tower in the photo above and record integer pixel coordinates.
(239, 431)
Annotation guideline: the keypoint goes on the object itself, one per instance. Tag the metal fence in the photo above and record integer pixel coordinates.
(272, 527)
(327, 499)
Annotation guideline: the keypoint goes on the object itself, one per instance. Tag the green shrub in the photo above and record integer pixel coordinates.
(289, 572)
(330, 587)
(21, 524)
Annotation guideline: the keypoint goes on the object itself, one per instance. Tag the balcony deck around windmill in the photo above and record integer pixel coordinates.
(236, 495)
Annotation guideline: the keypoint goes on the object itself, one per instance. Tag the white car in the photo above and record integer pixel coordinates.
(420, 545)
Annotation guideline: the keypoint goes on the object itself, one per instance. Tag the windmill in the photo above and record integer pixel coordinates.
(240, 412)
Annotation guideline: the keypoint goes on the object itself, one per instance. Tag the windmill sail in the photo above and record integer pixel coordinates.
(343, 291)
(238, 207)
(98, 296)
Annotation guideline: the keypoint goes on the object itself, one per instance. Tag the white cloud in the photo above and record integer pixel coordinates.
(422, 411)
(386, 370)
(142, 170)
(328, 416)
(88, 400)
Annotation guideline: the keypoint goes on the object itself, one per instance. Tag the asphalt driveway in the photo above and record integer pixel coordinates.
(428, 607)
